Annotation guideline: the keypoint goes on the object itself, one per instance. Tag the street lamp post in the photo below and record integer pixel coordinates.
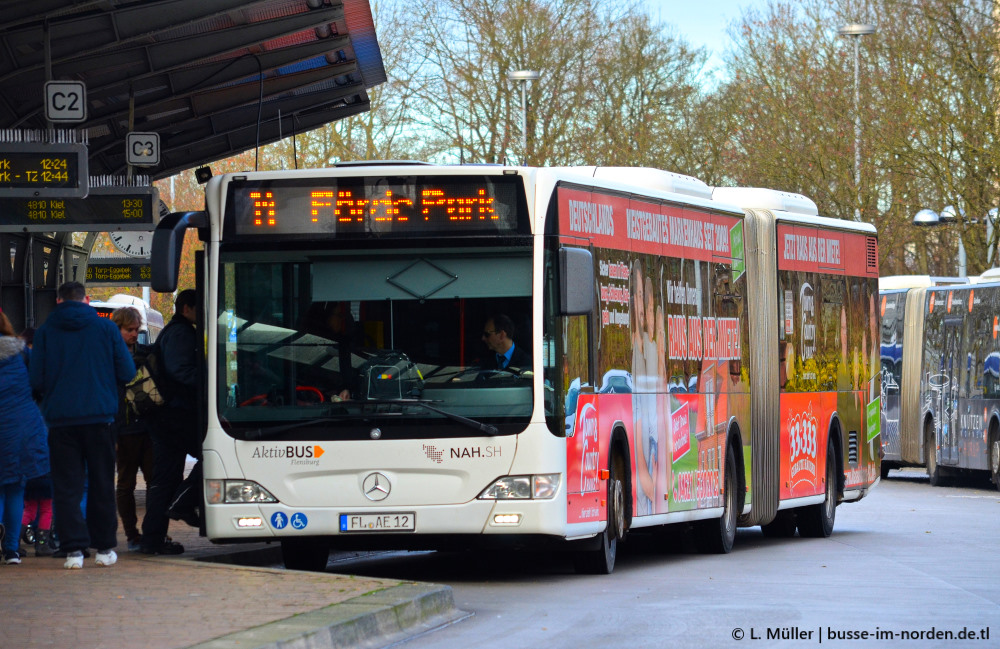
(856, 31)
(948, 215)
(524, 76)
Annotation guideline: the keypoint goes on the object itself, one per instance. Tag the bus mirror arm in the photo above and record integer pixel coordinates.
(576, 281)
(168, 242)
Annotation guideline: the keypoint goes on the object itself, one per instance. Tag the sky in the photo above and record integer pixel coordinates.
(702, 22)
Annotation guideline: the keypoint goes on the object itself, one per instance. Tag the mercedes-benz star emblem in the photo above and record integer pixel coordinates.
(376, 486)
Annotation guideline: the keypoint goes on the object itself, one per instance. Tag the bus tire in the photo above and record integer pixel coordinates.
(816, 521)
(716, 536)
(930, 453)
(310, 554)
(884, 469)
(994, 457)
(782, 527)
(600, 560)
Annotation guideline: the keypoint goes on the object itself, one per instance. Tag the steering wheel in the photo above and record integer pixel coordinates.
(314, 396)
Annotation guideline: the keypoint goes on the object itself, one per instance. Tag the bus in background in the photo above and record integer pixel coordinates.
(348, 401)
(893, 306)
(946, 405)
(152, 320)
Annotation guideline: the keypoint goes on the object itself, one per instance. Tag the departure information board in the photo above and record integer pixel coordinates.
(39, 170)
(377, 206)
(105, 209)
(118, 273)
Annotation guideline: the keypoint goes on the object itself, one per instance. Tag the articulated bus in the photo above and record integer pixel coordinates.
(941, 378)
(698, 356)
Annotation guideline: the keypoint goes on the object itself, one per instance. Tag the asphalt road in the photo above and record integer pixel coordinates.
(908, 565)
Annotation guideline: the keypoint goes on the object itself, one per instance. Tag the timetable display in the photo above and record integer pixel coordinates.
(105, 208)
(33, 170)
(378, 206)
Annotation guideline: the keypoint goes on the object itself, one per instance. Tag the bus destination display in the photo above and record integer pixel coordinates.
(376, 206)
(43, 170)
(107, 208)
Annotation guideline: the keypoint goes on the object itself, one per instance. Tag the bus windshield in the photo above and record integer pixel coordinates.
(339, 344)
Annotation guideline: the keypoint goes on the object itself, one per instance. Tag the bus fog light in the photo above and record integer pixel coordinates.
(507, 519)
(545, 486)
(511, 487)
(249, 521)
(247, 491)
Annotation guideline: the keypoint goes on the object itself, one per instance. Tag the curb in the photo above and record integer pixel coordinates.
(376, 619)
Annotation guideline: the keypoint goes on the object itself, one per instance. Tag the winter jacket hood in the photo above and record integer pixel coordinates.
(79, 361)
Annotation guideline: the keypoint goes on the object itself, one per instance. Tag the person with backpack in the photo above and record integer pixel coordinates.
(77, 364)
(134, 448)
(175, 429)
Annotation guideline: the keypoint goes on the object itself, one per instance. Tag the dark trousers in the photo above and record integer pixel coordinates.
(83, 460)
(175, 435)
(135, 453)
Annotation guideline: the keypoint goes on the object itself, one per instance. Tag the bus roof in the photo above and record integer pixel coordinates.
(894, 282)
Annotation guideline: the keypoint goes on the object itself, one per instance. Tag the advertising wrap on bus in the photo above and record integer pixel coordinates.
(417, 356)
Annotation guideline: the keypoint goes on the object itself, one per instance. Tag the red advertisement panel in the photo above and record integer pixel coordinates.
(814, 249)
(805, 422)
(621, 223)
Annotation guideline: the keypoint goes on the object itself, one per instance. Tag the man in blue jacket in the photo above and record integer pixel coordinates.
(78, 361)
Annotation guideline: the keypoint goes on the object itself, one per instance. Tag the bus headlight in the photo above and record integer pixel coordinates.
(219, 492)
(523, 487)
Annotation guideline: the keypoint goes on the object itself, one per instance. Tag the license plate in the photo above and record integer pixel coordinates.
(387, 522)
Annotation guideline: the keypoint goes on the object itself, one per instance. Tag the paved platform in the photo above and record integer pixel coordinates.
(210, 597)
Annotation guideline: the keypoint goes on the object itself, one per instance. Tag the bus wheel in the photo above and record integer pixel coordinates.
(884, 469)
(309, 554)
(816, 521)
(782, 527)
(995, 458)
(600, 560)
(933, 470)
(717, 535)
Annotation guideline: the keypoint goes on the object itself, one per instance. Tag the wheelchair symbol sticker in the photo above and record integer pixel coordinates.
(279, 520)
(299, 521)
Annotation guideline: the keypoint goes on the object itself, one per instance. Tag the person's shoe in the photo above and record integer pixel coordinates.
(189, 516)
(135, 544)
(11, 557)
(167, 547)
(42, 547)
(28, 534)
(62, 554)
(74, 560)
(106, 557)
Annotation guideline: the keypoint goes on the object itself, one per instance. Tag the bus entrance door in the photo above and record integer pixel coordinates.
(949, 394)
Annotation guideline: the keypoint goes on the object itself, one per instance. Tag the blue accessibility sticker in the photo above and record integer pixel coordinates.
(279, 520)
(299, 521)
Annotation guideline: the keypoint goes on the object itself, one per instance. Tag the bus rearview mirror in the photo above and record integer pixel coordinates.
(168, 243)
(576, 281)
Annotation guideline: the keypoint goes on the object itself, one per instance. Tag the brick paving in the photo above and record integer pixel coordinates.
(146, 602)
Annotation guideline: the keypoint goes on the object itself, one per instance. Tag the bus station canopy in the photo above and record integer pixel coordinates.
(212, 78)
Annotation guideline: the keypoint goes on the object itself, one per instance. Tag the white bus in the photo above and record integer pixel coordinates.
(699, 356)
(152, 320)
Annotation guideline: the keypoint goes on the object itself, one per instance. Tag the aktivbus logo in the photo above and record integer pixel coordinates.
(289, 451)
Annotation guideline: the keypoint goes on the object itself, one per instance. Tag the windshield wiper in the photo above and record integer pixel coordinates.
(489, 429)
(264, 433)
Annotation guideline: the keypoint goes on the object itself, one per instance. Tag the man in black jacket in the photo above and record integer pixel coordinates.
(175, 429)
